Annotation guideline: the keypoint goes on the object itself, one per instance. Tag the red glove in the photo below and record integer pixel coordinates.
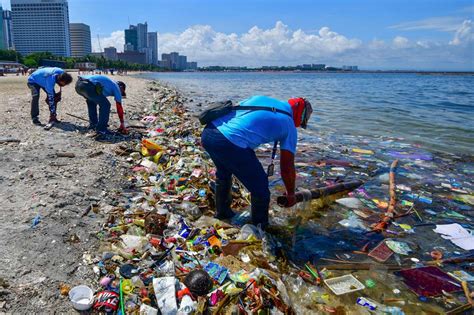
(291, 200)
(122, 129)
(120, 113)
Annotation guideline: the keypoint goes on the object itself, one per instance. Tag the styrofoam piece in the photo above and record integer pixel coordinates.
(344, 284)
(81, 297)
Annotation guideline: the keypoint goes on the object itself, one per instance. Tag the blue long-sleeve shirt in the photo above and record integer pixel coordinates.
(109, 87)
(46, 78)
(249, 129)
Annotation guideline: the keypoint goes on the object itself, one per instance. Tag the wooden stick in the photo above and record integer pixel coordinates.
(393, 195)
(9, 140)
(83, 119)
(65, 154)
(388, 216)
(459, 309)
(465, 288)
(361, 267)
(80, 118)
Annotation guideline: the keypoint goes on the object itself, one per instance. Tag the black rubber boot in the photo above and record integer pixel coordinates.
(260, 211)
(223, 199)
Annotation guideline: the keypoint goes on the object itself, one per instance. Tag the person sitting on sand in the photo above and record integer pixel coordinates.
(46, 78)
(231, 139)
(95, 89)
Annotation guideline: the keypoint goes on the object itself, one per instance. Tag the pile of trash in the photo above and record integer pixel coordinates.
(162, 252)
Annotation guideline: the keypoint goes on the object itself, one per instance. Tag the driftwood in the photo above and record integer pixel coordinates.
(460, 309)
(9, 140)
(456, 260)
(65, 154)
(465, 288)
(388, 216)
(365, 266)
(323, 191)
(83, 119)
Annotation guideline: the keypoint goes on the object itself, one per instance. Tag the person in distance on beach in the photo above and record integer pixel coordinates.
(231, 139)
(45, 79)
(95, 89)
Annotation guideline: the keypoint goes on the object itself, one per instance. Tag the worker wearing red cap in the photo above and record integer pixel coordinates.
(231, 139)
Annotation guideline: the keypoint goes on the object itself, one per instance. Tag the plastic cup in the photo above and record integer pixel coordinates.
(82, 297)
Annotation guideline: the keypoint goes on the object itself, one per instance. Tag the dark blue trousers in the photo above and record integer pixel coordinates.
(233, 160)
(93, 99)
(35, 95)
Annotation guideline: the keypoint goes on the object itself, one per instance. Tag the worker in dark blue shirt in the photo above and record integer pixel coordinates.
(95, 89)
(45, 79)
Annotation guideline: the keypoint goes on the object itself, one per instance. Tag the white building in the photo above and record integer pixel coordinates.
(41, 25)
(148, 55)
(3, 43)
(153, 45)
(81, 44)
(8, 29)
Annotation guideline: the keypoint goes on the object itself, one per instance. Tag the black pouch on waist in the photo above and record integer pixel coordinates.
(215, 111)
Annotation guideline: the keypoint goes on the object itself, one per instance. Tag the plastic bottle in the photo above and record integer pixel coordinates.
(190, 209)
(392, 310)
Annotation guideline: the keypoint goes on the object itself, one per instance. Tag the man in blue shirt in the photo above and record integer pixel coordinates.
(230, 141)
(95, 89)
(45, 79)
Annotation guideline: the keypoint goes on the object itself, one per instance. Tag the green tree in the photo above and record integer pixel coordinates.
(10, 55)
(30, 62)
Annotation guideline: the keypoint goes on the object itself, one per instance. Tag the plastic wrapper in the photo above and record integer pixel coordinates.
(250, 232)
(165, 291)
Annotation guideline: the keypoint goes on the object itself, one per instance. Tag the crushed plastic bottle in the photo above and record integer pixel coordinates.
(190, 210)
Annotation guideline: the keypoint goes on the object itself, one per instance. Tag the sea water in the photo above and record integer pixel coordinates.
(434, 111)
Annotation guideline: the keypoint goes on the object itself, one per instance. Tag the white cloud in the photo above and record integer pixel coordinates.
(445, 24)
(464, 34)
(256, 46)
(116, 39)
(400, 42)
(280, 45)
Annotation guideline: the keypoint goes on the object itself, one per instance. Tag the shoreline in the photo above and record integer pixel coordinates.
(130, 182)
(199, 103)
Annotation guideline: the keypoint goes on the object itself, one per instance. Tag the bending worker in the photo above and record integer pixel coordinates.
(95, 89)
(231, 139)
(46, 78)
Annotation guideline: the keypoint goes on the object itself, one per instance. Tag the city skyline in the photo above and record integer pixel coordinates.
(405, 35)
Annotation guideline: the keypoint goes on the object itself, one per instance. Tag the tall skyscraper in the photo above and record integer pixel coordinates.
(174, 56)
(153, 45)
(131, 39)
(81, 44)
(7, 29)
(142, 36)
(41, 25)
(137, 39)
(2, 34)
(182, 62)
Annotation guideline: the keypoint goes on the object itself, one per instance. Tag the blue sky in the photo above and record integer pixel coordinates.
(385, 34)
